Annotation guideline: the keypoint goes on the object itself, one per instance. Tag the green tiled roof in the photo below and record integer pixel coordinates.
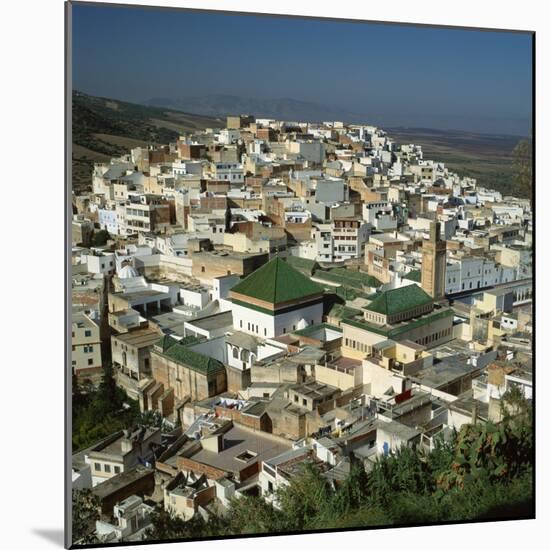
(179, 352)
(188, 340)
(166, 342)
(277, 282)
(302, 264)
(405, 327)
(348, 278)
(340, 311)
(414, 275)
(399, 300)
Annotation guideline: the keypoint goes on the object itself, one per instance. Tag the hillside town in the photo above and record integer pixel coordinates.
(271, 294)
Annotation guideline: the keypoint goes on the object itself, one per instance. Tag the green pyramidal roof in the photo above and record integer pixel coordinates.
(276, 282)
(399, 300)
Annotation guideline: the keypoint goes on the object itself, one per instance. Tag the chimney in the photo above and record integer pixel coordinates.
(474, 414)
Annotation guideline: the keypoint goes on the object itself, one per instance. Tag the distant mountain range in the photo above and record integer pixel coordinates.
(282, 108)
(221, 105)
(104, 127)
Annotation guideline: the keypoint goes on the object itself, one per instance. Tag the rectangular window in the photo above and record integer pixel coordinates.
(97, 467)
(90, 361)
(107, 468)
(117, 469)
(87, 333)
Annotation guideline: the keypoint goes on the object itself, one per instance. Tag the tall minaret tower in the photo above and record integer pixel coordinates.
(434, 263)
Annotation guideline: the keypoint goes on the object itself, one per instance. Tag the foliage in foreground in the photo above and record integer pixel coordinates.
(99, 412)
(484, 472)
(85, 512)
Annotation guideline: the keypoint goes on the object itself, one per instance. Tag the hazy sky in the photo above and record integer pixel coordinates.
(401, 75)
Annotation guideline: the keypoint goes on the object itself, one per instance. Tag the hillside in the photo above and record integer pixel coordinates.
(486, 157)
(104, 127)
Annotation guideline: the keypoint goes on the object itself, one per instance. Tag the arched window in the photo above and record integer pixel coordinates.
(235, 352)
(245, 354)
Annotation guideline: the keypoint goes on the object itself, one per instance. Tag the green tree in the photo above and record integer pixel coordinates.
(85, 512)
(404, 471)
(493, 452)
(305, 499)
(253, 514)
(100, 237)
(522, 165)
(78, 397)
(352, 493)
(165, 525)
(108, 393)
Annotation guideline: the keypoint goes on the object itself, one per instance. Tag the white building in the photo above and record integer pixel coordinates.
(109, 220)
(380, 215)
(274, 300)
(471, 272)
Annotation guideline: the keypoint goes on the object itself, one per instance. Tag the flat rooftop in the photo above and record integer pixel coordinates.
(445, 372)
(139, 338)
(306, 356)
(113, 446)
(467, 404)
(238, 441)
(213, 322)
(405, 433)
(344, 364)
(140, 294)
(232, 254)
(386, 238)
(115, 483)
(313, 389)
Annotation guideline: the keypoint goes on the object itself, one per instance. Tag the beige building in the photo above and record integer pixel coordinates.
(180, 373)
(86, 348)
(404, 313)
(183, 496)
(131, 351)
(121, 452)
